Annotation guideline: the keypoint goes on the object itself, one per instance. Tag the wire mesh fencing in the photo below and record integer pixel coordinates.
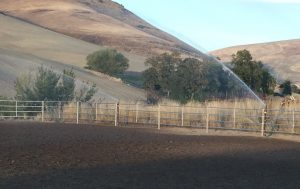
(263, 121)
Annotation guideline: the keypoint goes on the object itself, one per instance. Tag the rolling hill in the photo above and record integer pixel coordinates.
(283, 57)
(24, 47)
(60, 34)
(102, 22)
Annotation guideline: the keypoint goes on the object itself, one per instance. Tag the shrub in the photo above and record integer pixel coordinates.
(107, 61)
(47, 85)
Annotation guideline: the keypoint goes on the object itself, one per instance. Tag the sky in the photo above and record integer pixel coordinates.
(213, 24)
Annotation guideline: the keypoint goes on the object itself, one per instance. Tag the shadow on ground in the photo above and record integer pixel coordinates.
(129, 158)
(211, 172)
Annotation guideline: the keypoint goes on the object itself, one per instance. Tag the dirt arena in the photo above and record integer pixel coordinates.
(35, 155)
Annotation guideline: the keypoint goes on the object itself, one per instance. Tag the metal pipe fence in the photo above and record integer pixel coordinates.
(209, 118)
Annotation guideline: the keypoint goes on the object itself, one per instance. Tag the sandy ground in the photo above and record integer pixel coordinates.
(35, 155)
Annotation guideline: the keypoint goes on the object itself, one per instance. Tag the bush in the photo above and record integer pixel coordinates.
(107, 61)
(47, 85)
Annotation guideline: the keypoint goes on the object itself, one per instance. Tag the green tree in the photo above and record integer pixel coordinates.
(268, 83)
(220, 82)
(151, 84)
(86, 93)
(47, 85)
(295, 89)
(24, 88)
(151, 79)
(189, 81)
(66, 87)
(253, 73)
(159, 78)
(185, 79)
(286, 88)
(108, 61)
(161, 72)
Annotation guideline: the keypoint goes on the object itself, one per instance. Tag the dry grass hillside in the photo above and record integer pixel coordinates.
(24, 47)
(283, 57)
(101, 22)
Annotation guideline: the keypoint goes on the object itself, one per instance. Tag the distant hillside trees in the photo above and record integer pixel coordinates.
(47, 85)
(295, 89)
(108, 61)
(253, 73)
(287, 88)
(184, 79)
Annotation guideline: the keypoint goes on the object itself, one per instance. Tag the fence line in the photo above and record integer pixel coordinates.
(208, 118)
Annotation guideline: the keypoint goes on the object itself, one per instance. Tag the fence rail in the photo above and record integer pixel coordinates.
(208, 118)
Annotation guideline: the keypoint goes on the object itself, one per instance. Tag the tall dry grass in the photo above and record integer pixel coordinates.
(243, 114)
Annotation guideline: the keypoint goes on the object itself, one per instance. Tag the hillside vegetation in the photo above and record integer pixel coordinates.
(282, 57)
(25, 47)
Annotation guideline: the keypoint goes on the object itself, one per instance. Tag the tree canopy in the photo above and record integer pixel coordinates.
(185, 79)
(108, 61)
(286, 87)
(253, 73)
(46, 85)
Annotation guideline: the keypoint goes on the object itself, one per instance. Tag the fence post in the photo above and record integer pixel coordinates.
(158, 117)
(234, 115)
(16, 109)
(116, 114)
(77, 113)
(96, 116)
(234, 118)
(293, 129)
(207, 120)
(263, 123)
(136, 112)
(182, 117)
(43, 107)
(100, 111)
(59, 110)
